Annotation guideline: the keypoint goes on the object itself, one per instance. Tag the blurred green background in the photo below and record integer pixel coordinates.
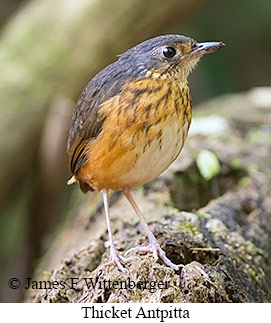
(48, 52)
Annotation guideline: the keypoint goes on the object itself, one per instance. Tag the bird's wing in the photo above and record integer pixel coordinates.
(87, 122)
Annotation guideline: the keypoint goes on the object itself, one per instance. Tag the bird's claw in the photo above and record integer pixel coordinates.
(148, 248)
(156, 250)
(116, 259)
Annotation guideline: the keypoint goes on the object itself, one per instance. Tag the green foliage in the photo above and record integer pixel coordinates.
(259, 251)
(254, 275)
(188, 226)
(236, 163)
(205, 215)
(208, 164)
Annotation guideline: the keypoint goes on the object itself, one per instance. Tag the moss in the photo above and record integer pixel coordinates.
(193, 177)
(205, 215)
(188, 226)
(259, 251)
(244, 182)
(236, 163)
(254, 275)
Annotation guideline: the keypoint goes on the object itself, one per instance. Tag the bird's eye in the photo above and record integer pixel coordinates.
(169, 52)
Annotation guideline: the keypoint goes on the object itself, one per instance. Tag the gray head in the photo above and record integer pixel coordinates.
(167, 55)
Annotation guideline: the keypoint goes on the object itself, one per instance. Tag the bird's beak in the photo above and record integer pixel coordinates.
(206, 48)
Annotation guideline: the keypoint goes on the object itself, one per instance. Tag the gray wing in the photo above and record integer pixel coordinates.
(87, 123)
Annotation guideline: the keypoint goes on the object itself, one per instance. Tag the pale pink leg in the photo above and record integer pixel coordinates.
(154, 246)
(115, 257)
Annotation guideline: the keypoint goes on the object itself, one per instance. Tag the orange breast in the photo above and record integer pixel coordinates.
(144, 132)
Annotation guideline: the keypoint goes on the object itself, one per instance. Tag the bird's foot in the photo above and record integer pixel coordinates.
(118, 260)
(156, 251)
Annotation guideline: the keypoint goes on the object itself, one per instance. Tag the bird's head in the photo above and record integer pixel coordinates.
(166, 56)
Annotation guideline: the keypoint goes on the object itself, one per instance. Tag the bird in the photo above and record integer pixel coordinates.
(130, 123)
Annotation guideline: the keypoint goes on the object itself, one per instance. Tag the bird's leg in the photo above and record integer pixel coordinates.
(115, 257)
(154, 246)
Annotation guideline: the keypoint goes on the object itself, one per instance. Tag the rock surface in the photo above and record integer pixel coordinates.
(219, 228)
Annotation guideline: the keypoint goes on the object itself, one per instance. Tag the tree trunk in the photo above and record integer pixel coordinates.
(218, 228)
